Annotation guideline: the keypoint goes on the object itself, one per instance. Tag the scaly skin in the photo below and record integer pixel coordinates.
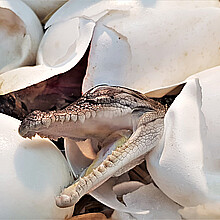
(97, 114)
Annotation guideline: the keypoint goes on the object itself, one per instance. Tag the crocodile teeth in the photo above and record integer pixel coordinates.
(116, 153)
(73, 117)
(112, 158)
(97, 173)
(53, 119)
(101, 168)
(37, 124)
(46, 121)
(82, 118)
(88, 115)
(92, 177)
(93, 113)
(62, 118)
(68, 118)
(107, 163)
(87, 180)
(82, 182)
(100, 114)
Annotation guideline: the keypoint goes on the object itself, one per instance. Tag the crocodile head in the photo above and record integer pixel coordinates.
(98, 114)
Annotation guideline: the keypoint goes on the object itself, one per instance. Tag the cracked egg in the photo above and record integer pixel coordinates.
(32, 173)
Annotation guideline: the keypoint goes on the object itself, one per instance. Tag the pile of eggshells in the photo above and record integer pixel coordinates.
(154, 47)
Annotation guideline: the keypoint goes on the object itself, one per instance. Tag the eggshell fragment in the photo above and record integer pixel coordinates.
(185, 165)
(205, 211)
(70, 31)
(92, 10)
(163, 49)
(150, 198)
(20, 34)
(44, 7)
(32, 174)
(64, 44)
(186, 3)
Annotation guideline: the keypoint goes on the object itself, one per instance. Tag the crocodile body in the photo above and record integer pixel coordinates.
(96, 115)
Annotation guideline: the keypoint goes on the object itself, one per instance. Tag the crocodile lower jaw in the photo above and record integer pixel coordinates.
(121, 159)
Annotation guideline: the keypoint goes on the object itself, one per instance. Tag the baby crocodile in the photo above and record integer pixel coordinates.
(97, 114)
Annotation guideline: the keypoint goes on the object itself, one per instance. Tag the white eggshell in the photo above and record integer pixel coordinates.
(186, 3)
(69, 32)
(150, 198)
(32, 174)
(152, 48)
(185, 165)
(23, 77)
(20, 34)
(44, 7)
(64, 44)
(94, 9)
(204, 211)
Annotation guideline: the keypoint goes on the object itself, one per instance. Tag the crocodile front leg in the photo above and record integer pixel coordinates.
(148, 133)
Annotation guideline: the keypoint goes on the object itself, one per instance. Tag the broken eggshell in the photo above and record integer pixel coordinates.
(20, 33)
(185, 164)
(70, 31)
(77, 21)
(186, 3)
(68, 35)
(167, 50)
(204, 211)
(33, 173)
(148, 197)
(44, 7)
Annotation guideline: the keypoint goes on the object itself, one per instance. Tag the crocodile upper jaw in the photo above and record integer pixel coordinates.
(97, 114)
(97, 127)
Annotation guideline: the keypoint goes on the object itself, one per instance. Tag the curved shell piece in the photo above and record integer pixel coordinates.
(79, 154)
(204, 211)
(64, 44)
(185, 165)
(150, 198)
(44, 7)
(93, 10)
(107, 194)
(32, 173)
(20, 34)
(186, 3)
(167, 51)
(23, 77)
(70, 31)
